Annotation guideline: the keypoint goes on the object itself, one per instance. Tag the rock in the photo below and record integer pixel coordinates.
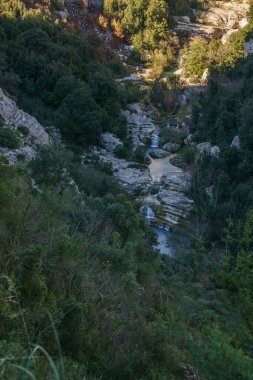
(147, 159)
(236, 143)
(24, 153)
(175, 206)
(158, 153)
(182, 100)
(204, 147)
(248, 47)
(131, 78)
(109, 141)
(205, 76)
(177, 161)
(185, 19)
(189, 140)
(244, 22)
(215, 151)
(134, 178)
(177, 181)
(140, 125)
(14, 117)
(18, 121)
(135, 108)
(171, 147)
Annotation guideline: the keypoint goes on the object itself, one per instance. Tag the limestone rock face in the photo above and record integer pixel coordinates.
(109, 142)
(140, 125)
(15, 119)
(133, 178)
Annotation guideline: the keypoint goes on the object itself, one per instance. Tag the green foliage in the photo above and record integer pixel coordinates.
(225, 112)
(57, 77)
(146, 24)
(8, 138)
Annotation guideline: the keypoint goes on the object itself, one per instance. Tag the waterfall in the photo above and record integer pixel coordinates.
(147, 212)
(154, 140)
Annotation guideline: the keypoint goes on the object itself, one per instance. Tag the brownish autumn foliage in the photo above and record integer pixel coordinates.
(103, 22)
(117, 30)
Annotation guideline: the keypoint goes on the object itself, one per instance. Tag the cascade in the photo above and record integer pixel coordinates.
(154, 140)
(147, 212)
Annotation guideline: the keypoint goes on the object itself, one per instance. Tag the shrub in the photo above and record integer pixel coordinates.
(8, 138)
(24, 130)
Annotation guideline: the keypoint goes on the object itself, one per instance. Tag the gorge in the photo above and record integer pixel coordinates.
(126, 202)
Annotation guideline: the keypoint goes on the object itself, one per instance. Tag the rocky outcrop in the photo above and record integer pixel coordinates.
(134, 178)
(248, 47)
(207, 148)
(158, 153)
(171, 147)
(110, 142)
(17, 120)
(236, 143)
(222, 18)
(204, 147)
(140, 125)
(168, 200)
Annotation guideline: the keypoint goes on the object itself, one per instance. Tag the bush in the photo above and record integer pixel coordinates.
(121, 151)
(8, 138)
(24, 130)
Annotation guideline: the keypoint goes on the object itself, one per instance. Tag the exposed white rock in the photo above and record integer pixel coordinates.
(215, 151)
(248, 47)
(185, 19)
(140, 126)
(205, 76)
(15, 156)
(14, 118)
(236, 143)
(182, 100)
(177, 181)
(131, 78)
(109, 141)
(244, 22)
(204, 147)
(130, 175)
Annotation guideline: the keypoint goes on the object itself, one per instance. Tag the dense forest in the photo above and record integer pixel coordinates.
(82, 293)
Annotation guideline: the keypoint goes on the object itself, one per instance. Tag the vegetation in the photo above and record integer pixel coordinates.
(57, 76)
(82, 294)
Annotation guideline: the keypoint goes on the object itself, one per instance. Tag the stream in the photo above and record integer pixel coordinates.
(158, 168)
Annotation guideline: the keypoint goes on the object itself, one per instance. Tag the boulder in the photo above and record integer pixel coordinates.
(188, 140)
(110, 142)
(158, 153)
(177, 181)
(171, 147)
(236, 143)
(177, 161)
(215, 151)
(244, 22)
(204, 147)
